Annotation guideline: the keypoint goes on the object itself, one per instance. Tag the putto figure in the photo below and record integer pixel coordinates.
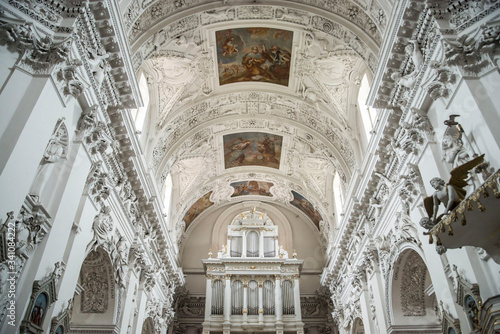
(449, 194)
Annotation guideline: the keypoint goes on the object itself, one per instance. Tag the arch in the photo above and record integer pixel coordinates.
(148, 327)
(97, 303)
(147, 38)
(411, 297)
(226, 217)
(358, 326)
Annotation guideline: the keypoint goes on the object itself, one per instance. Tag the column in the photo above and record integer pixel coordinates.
(208, 298)
(276, 247)
(278, 309)
(364, 303)
(245, 301)
(244, 244)
(141, 315)
(261, 303)
(228, 250)
(23, 142)
(261, 244)
(296, 297)
(128, 303)
(377, 283)
(227, 299)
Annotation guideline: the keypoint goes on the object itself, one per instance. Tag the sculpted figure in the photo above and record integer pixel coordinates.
(98, 64)
(252, 62)
(120, 256)
(102, 228)
(455, 151)
(54, 151)
(449, 194)
(283, 253)
(88, 118)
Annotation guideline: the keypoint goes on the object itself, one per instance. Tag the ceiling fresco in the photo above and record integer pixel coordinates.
(254, 54)
(305, 206)
(269, 87)
(197, 208)
(251, 188)
(252, 149)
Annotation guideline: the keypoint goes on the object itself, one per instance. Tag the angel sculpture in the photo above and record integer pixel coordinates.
(450, 194)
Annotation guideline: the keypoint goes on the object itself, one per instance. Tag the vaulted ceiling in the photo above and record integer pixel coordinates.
(204, 102)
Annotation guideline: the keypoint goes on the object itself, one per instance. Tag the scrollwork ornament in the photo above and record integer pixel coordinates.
(39, 53)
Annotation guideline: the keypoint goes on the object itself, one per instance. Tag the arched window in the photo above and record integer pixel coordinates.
(268, 297)
(269, 250)
(218, 297)
(253, 298)
(237, 297)
(139, 114)
(252, 244)
(288, 298)
(338, 196)
(368, 114)
(236, 246)
(167, 194)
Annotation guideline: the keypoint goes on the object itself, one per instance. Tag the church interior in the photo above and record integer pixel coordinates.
(249, 166)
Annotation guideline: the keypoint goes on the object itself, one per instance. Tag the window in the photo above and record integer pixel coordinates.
(338, 196)
(236, 247)
(368, 114)
(269, 247)
(252, 244)
(167, 194)
(139, 114)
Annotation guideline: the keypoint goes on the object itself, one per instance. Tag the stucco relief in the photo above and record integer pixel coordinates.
(412, 291)
(372, 20)
(95, 280)
(342, 144)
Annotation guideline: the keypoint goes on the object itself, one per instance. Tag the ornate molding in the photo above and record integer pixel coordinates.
(139, 18)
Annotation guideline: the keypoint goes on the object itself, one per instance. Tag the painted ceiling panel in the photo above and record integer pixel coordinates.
(254, 54)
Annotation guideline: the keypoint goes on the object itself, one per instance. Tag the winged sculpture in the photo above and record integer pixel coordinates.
(449, 194)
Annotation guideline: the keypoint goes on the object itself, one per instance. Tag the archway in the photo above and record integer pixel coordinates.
(148, 327)
(358, 327)
(413, 302)
(94, 305)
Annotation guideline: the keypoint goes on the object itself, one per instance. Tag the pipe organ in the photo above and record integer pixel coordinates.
(252, 284)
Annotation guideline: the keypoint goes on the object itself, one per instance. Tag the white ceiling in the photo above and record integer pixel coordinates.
(334, 44)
